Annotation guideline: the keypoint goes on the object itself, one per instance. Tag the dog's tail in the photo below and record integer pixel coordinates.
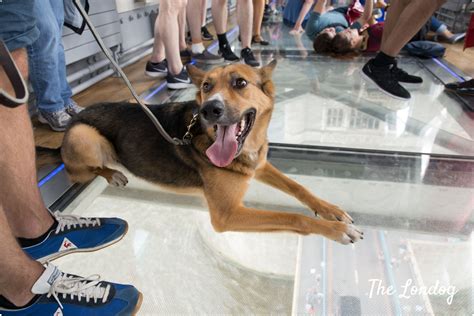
(47, 156)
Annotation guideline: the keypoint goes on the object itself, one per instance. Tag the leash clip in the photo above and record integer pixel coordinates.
(189, 136)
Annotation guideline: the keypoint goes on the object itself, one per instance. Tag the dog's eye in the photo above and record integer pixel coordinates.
(240, 83)
(206, 87)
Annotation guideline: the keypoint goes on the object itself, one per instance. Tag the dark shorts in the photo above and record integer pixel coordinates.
(17, 23)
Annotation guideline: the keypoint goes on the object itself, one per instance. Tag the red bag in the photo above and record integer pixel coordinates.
(355, 11)
(469, 41)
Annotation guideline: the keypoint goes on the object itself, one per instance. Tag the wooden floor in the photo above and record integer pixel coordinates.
(464, 60)
(113, 89)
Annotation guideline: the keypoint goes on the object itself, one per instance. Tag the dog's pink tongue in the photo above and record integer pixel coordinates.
(222, 152)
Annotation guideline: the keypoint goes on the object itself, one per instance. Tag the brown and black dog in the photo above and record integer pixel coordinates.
(229, 148)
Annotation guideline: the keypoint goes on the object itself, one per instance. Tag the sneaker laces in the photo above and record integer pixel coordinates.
(87, 288)
(68, 221)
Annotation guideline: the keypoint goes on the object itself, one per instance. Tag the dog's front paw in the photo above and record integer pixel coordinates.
(345, 233)
(118, 179)
(333, 213)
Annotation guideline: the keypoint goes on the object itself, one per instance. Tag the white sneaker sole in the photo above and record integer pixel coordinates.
(58, 255)
(155, 74)
(367, 78)
(179, 85)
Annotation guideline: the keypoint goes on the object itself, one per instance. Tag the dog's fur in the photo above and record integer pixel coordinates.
(121, 133)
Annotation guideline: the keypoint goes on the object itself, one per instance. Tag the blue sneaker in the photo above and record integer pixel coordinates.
(77, 234)
(58, 294)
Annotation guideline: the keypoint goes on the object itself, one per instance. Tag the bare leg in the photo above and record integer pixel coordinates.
(168, 28)
(158, 53)
(245, 17)
(219, 15)
(412, 18)
(182, 29)
(298, 28)
(393, 14)
(258, 8)
(19, 193)
(203, 12)
(18, 273)
(194, 20)
(18, 189)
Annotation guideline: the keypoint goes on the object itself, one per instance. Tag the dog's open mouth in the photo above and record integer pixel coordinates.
(230, 139)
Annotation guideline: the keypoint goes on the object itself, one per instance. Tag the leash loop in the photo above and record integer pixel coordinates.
(13, 74)
(176, 141)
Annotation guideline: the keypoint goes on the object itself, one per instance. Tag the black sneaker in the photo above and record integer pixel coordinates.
(157, 70)
(207, 58)
(179, 81)
(226, 52)
(248, 57)
(463, 88)
(402, 76)
(205, 34)
(384, 78)
(185, 56)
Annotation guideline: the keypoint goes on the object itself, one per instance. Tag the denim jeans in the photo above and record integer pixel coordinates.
(437, 26)
(17, 23)
(46, 58)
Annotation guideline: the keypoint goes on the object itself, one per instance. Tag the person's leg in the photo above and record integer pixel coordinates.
(298, 28)
(219, 15)
(404, 22)
(45, 68)
(203, 12)
(258, 8)
(18, 273)
(443, 33)
(205, 34)
(195, 24)
(19, 193)
(66, 93)
(58, 11)
(244, 19)
(412, 18)
(392, 16)
(200, 54)
(168, 28)
(158, 53)
(182, 29)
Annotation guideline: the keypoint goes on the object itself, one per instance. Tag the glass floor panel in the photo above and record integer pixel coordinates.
(403, 170)
(322, 101)
(416, 213)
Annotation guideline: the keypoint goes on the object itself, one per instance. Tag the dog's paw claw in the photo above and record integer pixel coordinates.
(334, 213)
(347, 233)
(118, 179)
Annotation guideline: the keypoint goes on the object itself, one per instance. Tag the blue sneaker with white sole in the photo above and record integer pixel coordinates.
(76, 234)
(58, 294)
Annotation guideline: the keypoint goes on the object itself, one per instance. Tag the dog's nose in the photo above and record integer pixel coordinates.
(212, 110)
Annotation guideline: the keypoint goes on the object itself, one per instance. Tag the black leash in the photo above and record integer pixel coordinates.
(12, 72)
(186, 140)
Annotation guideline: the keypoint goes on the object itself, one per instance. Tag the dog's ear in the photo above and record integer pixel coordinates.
(196, 74)
(266, 71)
(266, 78)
